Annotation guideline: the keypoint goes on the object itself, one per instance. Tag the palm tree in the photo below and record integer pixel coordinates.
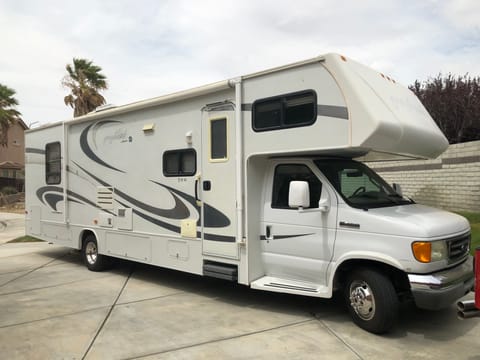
(7, 112)
(84, 81)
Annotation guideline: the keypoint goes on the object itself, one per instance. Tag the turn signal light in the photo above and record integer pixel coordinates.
(422, 251)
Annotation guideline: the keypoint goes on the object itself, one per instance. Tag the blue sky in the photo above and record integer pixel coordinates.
(151, 48)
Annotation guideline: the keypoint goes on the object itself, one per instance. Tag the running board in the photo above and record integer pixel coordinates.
(270, 283)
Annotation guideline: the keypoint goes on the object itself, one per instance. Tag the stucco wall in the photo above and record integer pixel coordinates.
(16, 145)
(451, 181)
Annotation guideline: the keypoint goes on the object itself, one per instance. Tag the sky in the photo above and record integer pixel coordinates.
(149, 48)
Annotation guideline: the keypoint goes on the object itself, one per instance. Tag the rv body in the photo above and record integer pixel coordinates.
(253, 180)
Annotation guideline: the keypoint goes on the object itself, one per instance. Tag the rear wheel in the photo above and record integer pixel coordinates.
(372, 300)
(91, 257)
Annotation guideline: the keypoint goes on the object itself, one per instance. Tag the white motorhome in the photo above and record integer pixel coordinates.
(254, 180)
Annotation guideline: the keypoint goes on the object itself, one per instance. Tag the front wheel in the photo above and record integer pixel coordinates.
(372, 300)
(91, 257)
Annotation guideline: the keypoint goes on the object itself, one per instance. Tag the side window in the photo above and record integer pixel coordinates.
(53, 163)
(285, 111)
(286, 173)
(180, 162)
(218, 139)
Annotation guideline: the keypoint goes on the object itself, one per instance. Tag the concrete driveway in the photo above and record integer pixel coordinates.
(11, 226)
(52, 307)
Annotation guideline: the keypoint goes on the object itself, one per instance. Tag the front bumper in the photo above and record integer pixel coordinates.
(441, 289)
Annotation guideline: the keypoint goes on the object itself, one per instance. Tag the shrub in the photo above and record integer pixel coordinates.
(8, 190)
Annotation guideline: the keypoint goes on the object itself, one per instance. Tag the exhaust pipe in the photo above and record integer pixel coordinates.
(466, 309)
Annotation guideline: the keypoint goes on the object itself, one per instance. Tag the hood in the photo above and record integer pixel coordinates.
(417, 221)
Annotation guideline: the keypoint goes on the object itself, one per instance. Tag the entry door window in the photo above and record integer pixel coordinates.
(218, 139)
(286, 173)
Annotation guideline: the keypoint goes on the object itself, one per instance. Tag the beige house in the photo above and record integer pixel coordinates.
(12, 157)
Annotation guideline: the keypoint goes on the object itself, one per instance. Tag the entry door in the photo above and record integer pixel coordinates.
(217, 183)
(297, 245)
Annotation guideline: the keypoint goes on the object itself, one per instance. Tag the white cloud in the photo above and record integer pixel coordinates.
(148, 48)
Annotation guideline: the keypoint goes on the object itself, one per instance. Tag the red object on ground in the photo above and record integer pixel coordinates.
(477, 277)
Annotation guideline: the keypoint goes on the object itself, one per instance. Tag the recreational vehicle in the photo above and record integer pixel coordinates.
(256, 180)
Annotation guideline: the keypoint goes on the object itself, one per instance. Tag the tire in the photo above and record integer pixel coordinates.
(92, 259)
(372, 300)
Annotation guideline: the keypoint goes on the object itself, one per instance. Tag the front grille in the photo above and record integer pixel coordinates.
(458, 247)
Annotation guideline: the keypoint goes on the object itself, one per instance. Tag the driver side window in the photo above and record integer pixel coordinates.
(286, 173)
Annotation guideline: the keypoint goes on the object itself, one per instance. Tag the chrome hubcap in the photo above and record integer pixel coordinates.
(362, 300)
(91, 253)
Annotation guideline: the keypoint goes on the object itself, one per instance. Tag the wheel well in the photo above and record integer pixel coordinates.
(398, 277)
(84, 235)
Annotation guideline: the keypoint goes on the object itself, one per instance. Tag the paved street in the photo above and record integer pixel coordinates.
(52, 307)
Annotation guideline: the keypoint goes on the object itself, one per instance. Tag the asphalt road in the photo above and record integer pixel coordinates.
(52, 307)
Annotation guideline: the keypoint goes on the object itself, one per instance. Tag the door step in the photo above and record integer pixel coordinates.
(220, 271)
(275, 284)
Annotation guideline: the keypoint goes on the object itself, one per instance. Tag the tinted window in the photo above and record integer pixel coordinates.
(53, 163)
(285, 111)
(358, 185)
(284, 174)
(180, 162)
(218, 139)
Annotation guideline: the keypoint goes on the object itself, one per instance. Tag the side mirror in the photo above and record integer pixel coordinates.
(299, 194)
(398, 189)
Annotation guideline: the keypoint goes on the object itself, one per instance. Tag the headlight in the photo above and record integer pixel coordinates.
(430, 251)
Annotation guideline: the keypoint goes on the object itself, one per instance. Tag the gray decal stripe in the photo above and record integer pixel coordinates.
(279, 237)
(87, 150)
(340, 112)
(34, 151)
(246, 107)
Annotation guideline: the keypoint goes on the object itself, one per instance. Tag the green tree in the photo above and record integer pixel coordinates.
(85, 81)
(454, 104)
(8, 114)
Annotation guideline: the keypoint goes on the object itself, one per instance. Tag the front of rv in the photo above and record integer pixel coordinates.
(425, 250)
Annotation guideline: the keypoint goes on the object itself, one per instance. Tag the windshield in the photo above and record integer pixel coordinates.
(358, 185)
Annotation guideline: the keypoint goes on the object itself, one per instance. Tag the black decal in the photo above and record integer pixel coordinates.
(158, 222)
(279, 237)
(180, 211)
(222, 238)
(87, 150)
(213, 217)
(52, 199)
(53, 194)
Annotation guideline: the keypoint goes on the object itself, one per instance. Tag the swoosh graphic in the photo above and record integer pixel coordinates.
(179, 211)
(54, 194)
(213, 217)
(87, 150)
(176, 229)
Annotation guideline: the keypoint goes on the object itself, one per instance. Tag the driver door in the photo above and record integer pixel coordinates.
(297, 245)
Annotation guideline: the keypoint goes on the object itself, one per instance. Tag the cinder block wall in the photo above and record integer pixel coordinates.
(452, 181)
